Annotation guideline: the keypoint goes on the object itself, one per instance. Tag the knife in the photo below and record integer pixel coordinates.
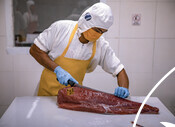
(73, 84)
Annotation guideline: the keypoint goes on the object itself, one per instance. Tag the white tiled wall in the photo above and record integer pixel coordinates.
(137, 54)
(25, 82)
(165, 27)
(147, 10)
(26, 63)
(115, 6)
(7, 87)
(141, 83)
(147, 51)
(5, 59)
(164, 52)
(2, 19)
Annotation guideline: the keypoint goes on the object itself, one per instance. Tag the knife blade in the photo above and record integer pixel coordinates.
(73, 84)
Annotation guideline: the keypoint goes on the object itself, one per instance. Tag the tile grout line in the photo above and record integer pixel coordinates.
(154, 41)
(119, 29)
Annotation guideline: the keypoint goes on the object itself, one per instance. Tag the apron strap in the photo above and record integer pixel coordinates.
(70, 39)
(93, 51)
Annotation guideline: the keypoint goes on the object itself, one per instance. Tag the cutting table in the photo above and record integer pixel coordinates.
(44, 112)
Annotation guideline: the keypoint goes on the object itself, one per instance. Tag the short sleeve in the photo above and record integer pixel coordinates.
(46, 39)
(108, 60)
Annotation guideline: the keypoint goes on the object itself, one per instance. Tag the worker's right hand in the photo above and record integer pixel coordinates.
(63, 76)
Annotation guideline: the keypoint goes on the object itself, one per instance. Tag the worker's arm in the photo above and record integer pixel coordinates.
(123, 79)
(123, 82)
(42, 58)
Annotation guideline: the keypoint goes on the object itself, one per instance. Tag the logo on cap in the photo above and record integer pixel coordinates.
(88, 16)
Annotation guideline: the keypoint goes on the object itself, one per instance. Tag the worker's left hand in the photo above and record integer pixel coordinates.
(121, 92)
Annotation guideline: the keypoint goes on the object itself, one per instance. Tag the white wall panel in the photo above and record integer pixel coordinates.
(26, 63)
(141, 84)
(165, 22)
(137, 54)
(6, 88)
(147, 27)
(164, 55)
(2, 18)
(113, 31)
(101, 81)
(25, 83)
(6, 61)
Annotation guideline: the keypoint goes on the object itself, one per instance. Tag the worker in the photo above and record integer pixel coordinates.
(19, 24)
(30, 17)
(69, 49)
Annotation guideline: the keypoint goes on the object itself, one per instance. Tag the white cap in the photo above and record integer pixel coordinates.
(98, 15)
(29, 3)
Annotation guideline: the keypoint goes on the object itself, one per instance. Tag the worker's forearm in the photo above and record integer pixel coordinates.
(42, 58)
(123, 80)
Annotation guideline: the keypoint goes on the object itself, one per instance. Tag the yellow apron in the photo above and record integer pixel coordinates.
(49, 86)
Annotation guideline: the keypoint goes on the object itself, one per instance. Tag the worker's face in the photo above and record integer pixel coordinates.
(94, 33)
(32, 8)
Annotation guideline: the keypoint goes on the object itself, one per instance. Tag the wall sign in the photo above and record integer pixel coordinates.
(136, 19)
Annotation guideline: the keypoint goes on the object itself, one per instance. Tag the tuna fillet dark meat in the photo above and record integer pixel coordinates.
(81, 99)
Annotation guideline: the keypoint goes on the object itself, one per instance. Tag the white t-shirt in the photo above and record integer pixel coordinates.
(55, 39)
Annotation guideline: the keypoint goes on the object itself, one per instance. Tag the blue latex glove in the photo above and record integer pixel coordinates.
(121, 92)
(63, 76)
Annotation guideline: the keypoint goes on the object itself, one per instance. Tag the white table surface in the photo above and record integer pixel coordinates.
(44, 112)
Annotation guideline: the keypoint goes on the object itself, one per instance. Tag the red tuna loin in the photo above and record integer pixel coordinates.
(81, 99)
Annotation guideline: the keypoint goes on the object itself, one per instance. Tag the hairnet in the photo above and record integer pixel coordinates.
(98, 15)
(29, 3)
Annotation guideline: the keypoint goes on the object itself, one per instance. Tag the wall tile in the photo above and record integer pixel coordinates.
(165, 22)
(136, 54)
(26, 63)
(141, 84)
(101, 81)
(113, 31)
(2, 18)
(164, 55)
(6, 88)
(3, 45)
(26, 82)
(147, 27)
(6, 62)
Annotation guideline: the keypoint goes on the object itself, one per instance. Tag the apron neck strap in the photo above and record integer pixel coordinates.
(70, 39)
(93, 51)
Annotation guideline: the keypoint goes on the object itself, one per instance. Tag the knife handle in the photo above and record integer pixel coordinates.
(72, 83)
